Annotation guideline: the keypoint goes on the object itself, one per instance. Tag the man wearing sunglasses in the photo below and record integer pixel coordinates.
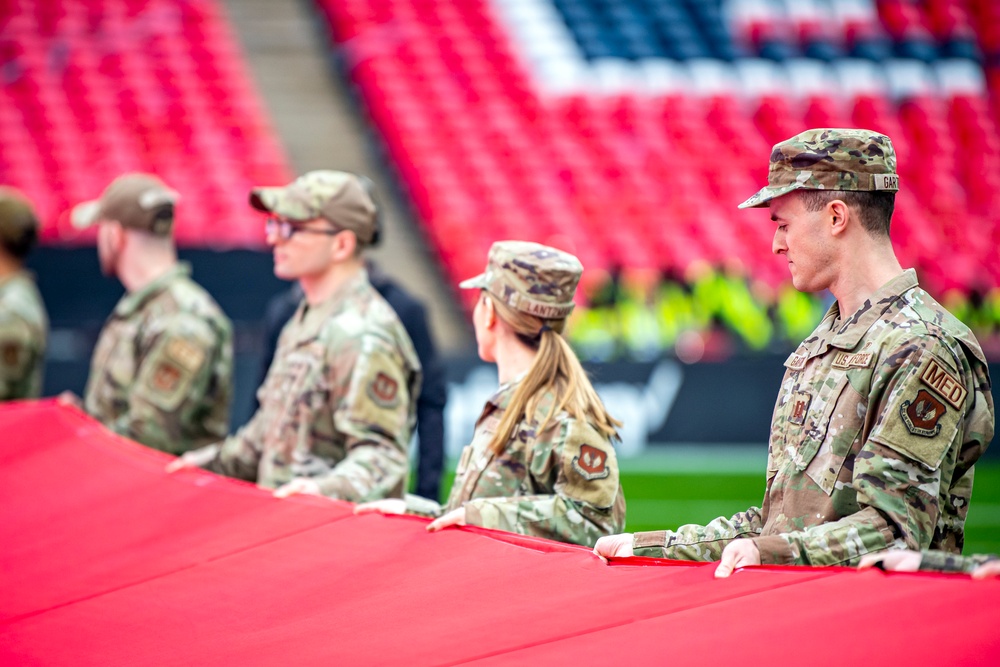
(337, 406)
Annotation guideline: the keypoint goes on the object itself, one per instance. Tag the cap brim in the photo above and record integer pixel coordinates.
(263, 199)
(761, 198)
(479, 282)
(85, 215)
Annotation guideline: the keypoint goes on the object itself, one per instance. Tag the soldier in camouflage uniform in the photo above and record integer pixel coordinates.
(24, 325)
(338, 404)
(979, 566)
(161, 372)
(541, 461)
(883, 410)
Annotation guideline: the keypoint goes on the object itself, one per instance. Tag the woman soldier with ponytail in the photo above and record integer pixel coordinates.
(541, 461)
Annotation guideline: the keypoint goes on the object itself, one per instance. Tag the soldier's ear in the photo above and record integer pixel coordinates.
(840, 213)
(345, 246)
(490, 312)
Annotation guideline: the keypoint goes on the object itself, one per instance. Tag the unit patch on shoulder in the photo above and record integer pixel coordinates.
(185, 353)
(922, 414)
(848, 360)
(383, 390)
(944, 384)
(165, 377)
(591, 463)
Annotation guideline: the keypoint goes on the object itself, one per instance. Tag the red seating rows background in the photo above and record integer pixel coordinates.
(90, 89)
(639, 181)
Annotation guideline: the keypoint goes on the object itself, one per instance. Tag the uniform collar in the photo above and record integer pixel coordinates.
(133, 301)
(500, 400)
(502, 396)
(312, 318)
(850, 332)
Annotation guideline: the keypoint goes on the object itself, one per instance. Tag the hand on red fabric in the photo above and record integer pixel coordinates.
(987, 570)
(298, 486)
(455, 517)
(196, 458)
(897, 560)
(614, 546)
(71, 399)
(738, 553)
(384, 506)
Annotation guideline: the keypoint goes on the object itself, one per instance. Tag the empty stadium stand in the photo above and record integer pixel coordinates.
(92, 88)
(628, 130)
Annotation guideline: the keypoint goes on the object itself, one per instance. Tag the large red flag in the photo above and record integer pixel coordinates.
(107, 560)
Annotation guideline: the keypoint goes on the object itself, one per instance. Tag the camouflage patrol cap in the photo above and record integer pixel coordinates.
(18, 223)
(138, 201)
(336, 196)
(829, 159)
(531, 278)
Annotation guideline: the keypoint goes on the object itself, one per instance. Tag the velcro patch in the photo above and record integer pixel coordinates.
(922, 414)
(185, 353)
(796, 362)
(383, 390)
(165, 377)
(856, 360)
(800, 407)
(885, 182)
(944, 384)
(591, 463)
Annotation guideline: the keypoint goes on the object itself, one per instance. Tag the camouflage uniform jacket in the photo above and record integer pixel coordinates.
(560, 483)
(24, 328)
(943, 561)
(877, 425)
(161, 373)
(338, 404)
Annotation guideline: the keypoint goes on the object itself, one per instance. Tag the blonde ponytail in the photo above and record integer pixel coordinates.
(555, 369)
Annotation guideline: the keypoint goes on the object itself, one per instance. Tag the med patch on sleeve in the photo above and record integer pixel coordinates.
(922, 419)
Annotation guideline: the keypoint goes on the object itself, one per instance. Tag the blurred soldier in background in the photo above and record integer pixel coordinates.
(338, 405)
(411, 312)
(161, 373)
(883, 410)
(24, 325)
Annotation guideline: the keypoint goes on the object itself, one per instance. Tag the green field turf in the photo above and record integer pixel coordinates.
(668, 490)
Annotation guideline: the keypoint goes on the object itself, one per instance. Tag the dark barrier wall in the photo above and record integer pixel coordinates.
(660, 402)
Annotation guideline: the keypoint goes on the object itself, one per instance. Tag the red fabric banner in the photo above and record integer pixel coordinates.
(107, 560)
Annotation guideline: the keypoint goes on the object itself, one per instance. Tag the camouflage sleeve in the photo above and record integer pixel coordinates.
(586, 501)
(897, 472)
(943, 561)
(376, 416)
(171, 380)
(705, 543)
(694, 542)
(421, 506)
(239, 455)
(16, 357)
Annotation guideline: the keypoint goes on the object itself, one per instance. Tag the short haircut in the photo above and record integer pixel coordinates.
(874, 208)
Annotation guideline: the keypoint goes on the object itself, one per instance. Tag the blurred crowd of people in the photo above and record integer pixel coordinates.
(711, 313)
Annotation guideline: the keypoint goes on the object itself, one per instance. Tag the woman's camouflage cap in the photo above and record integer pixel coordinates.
(531, 278)
(829, 159)
(338, 197)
